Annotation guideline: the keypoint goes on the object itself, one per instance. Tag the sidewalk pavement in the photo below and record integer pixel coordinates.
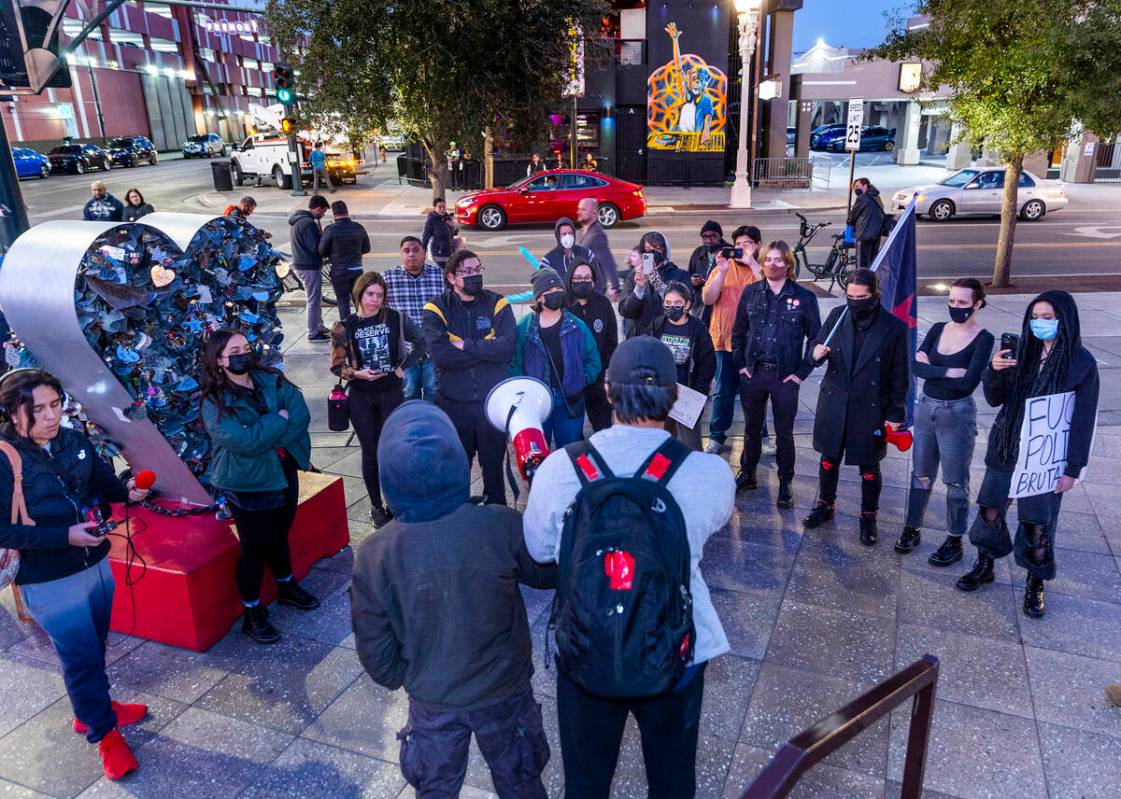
(814, 619)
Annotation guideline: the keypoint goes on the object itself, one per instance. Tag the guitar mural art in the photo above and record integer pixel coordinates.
(687, 103)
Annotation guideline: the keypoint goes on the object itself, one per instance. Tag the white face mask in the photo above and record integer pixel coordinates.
(567, 240)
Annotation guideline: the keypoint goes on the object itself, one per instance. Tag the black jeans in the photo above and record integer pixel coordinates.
(866, 250)
(510, 735)
(596, 405)
(591, 731)
(368, 412)
(764, 383)
(478, 436)
(1034, 545)
(342, 281)
(263, 535)
(871, 482)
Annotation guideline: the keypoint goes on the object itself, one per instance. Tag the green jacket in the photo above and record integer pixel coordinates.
(244, 441)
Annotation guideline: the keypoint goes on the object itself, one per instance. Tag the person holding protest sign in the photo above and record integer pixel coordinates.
(950, 361)
(1047, 360)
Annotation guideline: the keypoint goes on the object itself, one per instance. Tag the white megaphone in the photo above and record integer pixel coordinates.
(518, 406)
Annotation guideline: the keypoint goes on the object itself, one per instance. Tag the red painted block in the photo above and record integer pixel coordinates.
(187, 595)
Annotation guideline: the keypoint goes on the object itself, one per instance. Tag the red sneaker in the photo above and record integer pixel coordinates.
(117, 758)
(126, 714)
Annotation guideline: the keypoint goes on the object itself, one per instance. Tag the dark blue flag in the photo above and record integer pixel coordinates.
(896, 266)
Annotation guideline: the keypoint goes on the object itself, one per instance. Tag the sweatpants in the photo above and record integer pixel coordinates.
(368, 412)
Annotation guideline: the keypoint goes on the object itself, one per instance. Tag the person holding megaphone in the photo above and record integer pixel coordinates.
(558, 349)
(863, 393)
(57, 511)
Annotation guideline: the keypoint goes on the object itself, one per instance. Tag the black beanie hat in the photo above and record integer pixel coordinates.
(544, 279)
(713, 226)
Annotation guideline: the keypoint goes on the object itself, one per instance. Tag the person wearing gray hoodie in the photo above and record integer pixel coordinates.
(436, 608)
(567, 252)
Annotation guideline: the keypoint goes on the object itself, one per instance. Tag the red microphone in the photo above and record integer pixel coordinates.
(145, 479)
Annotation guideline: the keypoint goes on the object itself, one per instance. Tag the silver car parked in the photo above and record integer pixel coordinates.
(979, 190)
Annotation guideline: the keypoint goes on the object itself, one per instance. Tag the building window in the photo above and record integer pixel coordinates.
(125, 38)
(162, 45)
(267, 66)
(208, 55)
(161, 11)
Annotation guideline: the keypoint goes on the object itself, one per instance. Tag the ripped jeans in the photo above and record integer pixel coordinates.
(1034, 544)
(944, 431)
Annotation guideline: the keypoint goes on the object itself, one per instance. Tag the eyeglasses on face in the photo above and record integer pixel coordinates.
(469, 272)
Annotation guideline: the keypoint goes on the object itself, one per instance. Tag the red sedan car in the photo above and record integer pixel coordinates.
(546, 196)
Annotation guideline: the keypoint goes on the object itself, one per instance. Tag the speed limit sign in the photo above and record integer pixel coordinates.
(855, 123)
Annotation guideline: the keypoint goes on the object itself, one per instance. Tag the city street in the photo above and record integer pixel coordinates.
(1081, 243)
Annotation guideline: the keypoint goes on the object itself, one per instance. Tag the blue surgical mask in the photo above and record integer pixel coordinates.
(1044, 329)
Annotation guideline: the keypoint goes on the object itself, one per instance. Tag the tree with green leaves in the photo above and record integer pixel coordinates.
(1024, 75)
(443, 71)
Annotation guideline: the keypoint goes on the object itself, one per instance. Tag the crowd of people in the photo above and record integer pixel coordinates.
(616, 518)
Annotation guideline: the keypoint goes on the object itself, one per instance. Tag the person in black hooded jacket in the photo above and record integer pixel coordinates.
(1050, 359)
(597, 312)
(867, 217)
(568, 252)
(436, 608)
(640, 305)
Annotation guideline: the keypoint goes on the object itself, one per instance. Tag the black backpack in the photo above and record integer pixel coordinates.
(623, 612)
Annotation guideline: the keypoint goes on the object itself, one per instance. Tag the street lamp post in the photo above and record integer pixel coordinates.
(748, 11)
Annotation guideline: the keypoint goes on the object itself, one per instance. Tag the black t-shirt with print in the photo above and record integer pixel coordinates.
(373, 341)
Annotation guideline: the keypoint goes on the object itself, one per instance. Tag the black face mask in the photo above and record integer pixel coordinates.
(960, 315)
(714, 247)
(858, 192)
(241, 363)
(473, 285)
(674, 313)
(554, 301)
(583, 290)
(863, 308)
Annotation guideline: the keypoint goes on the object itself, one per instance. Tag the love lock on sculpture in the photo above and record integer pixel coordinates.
(119, 313)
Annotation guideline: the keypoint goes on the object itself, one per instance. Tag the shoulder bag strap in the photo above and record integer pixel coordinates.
(590, 465)
(19, 504)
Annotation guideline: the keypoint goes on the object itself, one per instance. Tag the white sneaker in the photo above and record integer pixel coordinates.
(714, 447)
(768, 446)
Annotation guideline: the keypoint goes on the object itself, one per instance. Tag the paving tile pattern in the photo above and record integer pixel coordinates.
(814, 619)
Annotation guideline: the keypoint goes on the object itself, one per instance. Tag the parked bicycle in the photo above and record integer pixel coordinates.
(290, 281)
(838, 264)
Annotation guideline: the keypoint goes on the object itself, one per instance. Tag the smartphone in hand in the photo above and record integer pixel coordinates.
(1010, 342)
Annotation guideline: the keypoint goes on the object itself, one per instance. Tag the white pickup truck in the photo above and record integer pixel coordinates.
(265, 156)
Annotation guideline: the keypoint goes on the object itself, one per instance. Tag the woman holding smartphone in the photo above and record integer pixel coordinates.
(1049, 359)
(950, 361)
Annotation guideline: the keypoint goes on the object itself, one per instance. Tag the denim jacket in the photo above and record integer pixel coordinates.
(798, 324)
(578, 347)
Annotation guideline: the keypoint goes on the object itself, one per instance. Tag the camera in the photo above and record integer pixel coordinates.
(1011, 342)
(732, 252)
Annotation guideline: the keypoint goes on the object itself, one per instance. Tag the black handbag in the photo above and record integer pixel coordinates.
(338, 409)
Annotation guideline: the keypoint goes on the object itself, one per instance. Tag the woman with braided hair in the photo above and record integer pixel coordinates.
(1050, 359)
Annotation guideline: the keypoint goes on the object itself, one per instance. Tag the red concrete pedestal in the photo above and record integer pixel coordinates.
(187, 595)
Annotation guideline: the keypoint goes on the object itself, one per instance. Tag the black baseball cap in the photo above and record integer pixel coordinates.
(642, 360)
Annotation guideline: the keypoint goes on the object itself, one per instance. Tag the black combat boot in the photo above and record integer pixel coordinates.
(909, 539)
(868, 534)
(785, 495)
(821, 513)
(981, 573)
(745, 481)
(257, 626)
(290, 593)
(948, 553)
(1033, 597)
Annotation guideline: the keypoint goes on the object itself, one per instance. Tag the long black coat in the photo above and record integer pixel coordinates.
(854, 403)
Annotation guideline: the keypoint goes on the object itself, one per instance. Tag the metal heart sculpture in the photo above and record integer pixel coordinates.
(119, 312)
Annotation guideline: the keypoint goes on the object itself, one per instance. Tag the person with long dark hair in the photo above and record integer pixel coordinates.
(371, 351)
(258, 426)
(596, 311)
(950, 361)
(64, 575)
(863, 393)
(1050, 359)
(135, 207)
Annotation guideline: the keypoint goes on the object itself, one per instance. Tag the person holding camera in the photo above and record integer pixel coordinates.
(687, 338)
(559, 350)
(64, 575)
(257, 421)
(735, 268)
(1047, 358)
(950, 361)
(863, 393)
(651, 272)
(776, 323)
(371, 350)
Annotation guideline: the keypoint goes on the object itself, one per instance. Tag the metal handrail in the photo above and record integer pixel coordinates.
(811, 746)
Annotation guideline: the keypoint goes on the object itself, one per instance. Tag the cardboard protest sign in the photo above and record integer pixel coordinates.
(1043, 444)
(689, 406)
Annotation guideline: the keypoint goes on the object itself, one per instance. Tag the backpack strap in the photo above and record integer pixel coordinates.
(589, 464)
(19, 505)
(664, 462)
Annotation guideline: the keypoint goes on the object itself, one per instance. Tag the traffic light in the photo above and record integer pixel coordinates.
(288, 126)
(285, 84)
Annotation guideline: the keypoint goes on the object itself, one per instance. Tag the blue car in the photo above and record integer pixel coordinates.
(30, 164)
(871, 138)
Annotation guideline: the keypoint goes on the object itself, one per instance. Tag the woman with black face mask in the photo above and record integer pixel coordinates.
(558, 349)
(596, 311)
(258, 426)
(950, 361)
(1048, 359)
(687, 337)
(863, 392)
